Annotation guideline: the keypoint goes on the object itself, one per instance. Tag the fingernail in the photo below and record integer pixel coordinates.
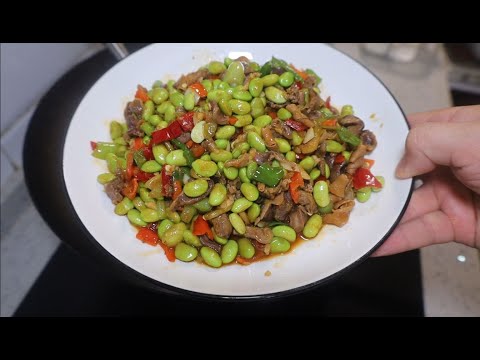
(402, 170)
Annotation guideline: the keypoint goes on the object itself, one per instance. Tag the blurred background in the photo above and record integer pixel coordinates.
(421, 76)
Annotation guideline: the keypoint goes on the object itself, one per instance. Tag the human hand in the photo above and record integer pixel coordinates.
(444, 147)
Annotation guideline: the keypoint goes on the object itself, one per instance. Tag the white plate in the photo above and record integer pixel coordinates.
(334, 250)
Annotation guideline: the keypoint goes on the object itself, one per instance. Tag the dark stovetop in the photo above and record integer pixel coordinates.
(79, 280)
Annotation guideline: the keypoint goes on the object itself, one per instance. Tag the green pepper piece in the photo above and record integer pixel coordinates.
(269, 175)
(348, 137)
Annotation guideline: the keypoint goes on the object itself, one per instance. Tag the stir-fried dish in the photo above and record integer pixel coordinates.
(236, 161)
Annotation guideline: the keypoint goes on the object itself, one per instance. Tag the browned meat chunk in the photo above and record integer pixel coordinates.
(338, 186)
(280, 128)
(306, 199)
(339, 216)
(299, 116)
(183, 199)
(192, 78)
(217, 115)
(211, 244)
(297, 219)
(222, 226)
(282, 211)
(269, 139)
(114, 189)
(242, 161)
(133, 117)
(262, 235)
(369, 140)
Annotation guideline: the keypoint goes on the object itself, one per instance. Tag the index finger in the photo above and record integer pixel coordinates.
(452, 114)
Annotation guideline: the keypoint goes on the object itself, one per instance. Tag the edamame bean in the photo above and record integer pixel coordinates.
(211, 257)
(120, 140)
(160, 153)
(229, 251)
(225, 132)
(327, 171)
(346, 155)
(346, 110)
(251, 168)
(313, 226)
(320, 193)
(253, 212)
(284, 114)
(230, 173)
(256, 141)
(250, 192)
(147, 128)
(162, 125)
(275, 95)
(174, 235)
(283, 145)
(152, 166)
(290, 156)
(240, 94)
(237, 223)
(177, 99)
(307, 163)
(134, 217)
(218, 239)
(216, 67)
(286, 79)
(154, 120)
(363, 194)
(242, 174)
(123, 206)
(191, 239)
(159, 95)
(148, 109)
(205, 157)
(208, 85)
(197, 134)
(315, 173)
(149, 215)
(245, 248)
(170, 113)
(195, 188)
(227, 61)
(243, 120)
(255, 87)
(188, 213)
(163, 227)
(173, 215)
(105, 178)
(145, 194)
(138, 203)
(203, 206)
(176, 157)
(205, 168)
(262, 121)
(162, 108)
(157, 84)
(222, 144)
(296, 139)
(184, 252)
(241, 204)
(258, 107)
(334, 146)
(285, 232)
(279, 245)
(327, 209)
(239, 107)
(225, 106)
(161, 209)
(189, 100)
(235, 74)
(381, 179)
(104, 148)
(218, 195)
(269, 80)
(215, 83)
(221, 155)
(116, 130)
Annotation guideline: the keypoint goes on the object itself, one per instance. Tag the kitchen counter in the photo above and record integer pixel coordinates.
(450, 272)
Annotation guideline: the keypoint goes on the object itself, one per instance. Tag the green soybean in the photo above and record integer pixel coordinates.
(152, 166)
(243, 120)
(313, 226)
(229, 251)
(177, 99)
(241, 95)
(363, 195)
(283, 145)
(162, 108)
(256, 141)
(170, 113)
(176, 157)
(191, 239)
(160, 153)
(239, 107)
(104, 148)
(147, 128)
(222, 144)
(346, 155)
(120, 141)
(230, 173)
(245, 248)
(320, 193)
(216, 67)
(285, 232)
(211, 257)
(307, 163)
(225, 106)
(327, 171)
(315, 173)
(173, 215)
(195, 188)
(218, 195)
(225, 132)
(262, 121)
(284, 114)
(163, 227)
(250, 192)
(144, 194)
(203, 206)
(334, 146)
(346, 110)
(279, 245)
(205, 157)
(148, 109)
(105, 178)
(149, 215)
(326, 209)
(296, 139)
(269, 80)
(123, 206)
(154, 120)
(286, 79)
(290, 156)
(174, 235)
(188, 213)
(251, 168)
(381, 180)
(241, 205)
(116, 130)
(134, 217)
(255, 87)
(253, 212)
(205, 168)
(258, 108)
(221, 155)
(208, 85)
(159, 95)
(227, 61)
(189, 100)
(275, 95)
(234, 75)
(237, 223)
(184, 252)
(242, 174)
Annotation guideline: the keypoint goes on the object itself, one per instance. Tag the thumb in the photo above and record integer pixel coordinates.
(431, 144)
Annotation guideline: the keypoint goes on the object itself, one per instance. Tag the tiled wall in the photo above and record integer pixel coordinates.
(27, 72)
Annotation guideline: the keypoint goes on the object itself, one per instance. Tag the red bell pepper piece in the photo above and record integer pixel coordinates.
(129, 168)
(177, 189)
(172, 131)
(368, 163)
(197, 150)
(142, 94)
(201, 227)
(339, 159)
(199, 89)
(130, 190)
(295, 125)
(296, 182)
(327, 104)
(186, 121)
(137, 144)
(232, 120)
(169, 252)
(148, 153)
(148, 236)
(93, 145)
(141, 175)
(363, 178)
